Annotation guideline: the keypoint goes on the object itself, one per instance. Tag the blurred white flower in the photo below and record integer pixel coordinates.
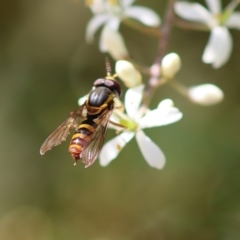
(219, 46)
(110, 13)
(170, 65)
(164, 114)
(205, 94)
(111, 41)
(128, 73)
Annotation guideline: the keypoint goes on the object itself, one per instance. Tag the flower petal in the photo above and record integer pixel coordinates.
(218, 48)
(214, 6)
(133, 98)
(112, 148)
(161, 116)
(151, 152)
(97, 6)
(93, 25)
(193, 12)
(234, 21)
(113, 23)
(144, 15)
(111, 41)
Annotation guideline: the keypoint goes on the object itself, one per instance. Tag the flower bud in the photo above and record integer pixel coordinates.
(112, 42)
(82, 100)
(171, 64)
(166, 103)
(205, 94)
(128, 73)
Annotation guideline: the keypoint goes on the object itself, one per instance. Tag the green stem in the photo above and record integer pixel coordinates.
(232, 6)
(150, 31)
(190, 26)
(155, 70)
(140, 67)
(179, 88)
(229, 10)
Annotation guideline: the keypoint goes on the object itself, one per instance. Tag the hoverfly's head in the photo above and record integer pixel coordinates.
(109, 83)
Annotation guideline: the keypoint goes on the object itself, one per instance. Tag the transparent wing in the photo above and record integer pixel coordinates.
(61, 133)
(92, 150)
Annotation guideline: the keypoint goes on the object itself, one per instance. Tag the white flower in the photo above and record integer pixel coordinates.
(111, 41)
(205, 94)
(110, 13)
(219, 46)
(164, 114)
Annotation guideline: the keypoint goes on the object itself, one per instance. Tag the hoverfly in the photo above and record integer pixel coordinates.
(90, 122)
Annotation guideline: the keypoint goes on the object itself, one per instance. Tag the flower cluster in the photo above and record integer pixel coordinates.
(135, 122)
(219, 46)
(135, 119)
(108, 15)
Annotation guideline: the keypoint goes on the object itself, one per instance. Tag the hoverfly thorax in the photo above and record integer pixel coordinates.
(90, 129)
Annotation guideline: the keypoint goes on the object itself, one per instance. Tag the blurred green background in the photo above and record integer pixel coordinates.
(45, 66)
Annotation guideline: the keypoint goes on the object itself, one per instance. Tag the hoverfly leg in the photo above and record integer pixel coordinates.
(118, 125)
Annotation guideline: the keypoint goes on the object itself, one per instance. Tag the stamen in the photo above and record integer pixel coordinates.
(89, 3)
(113, 2)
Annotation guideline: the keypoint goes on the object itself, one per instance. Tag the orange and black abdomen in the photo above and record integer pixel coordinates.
(100, 100)
(81, 138)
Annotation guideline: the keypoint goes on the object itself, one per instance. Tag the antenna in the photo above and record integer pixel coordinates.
(108, 67)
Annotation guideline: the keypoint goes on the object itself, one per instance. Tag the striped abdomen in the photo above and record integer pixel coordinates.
(81, 138)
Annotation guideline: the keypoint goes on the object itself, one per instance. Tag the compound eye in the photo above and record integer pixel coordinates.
(117, 88)
(114, 86)
(99, 82)
(111, 84)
